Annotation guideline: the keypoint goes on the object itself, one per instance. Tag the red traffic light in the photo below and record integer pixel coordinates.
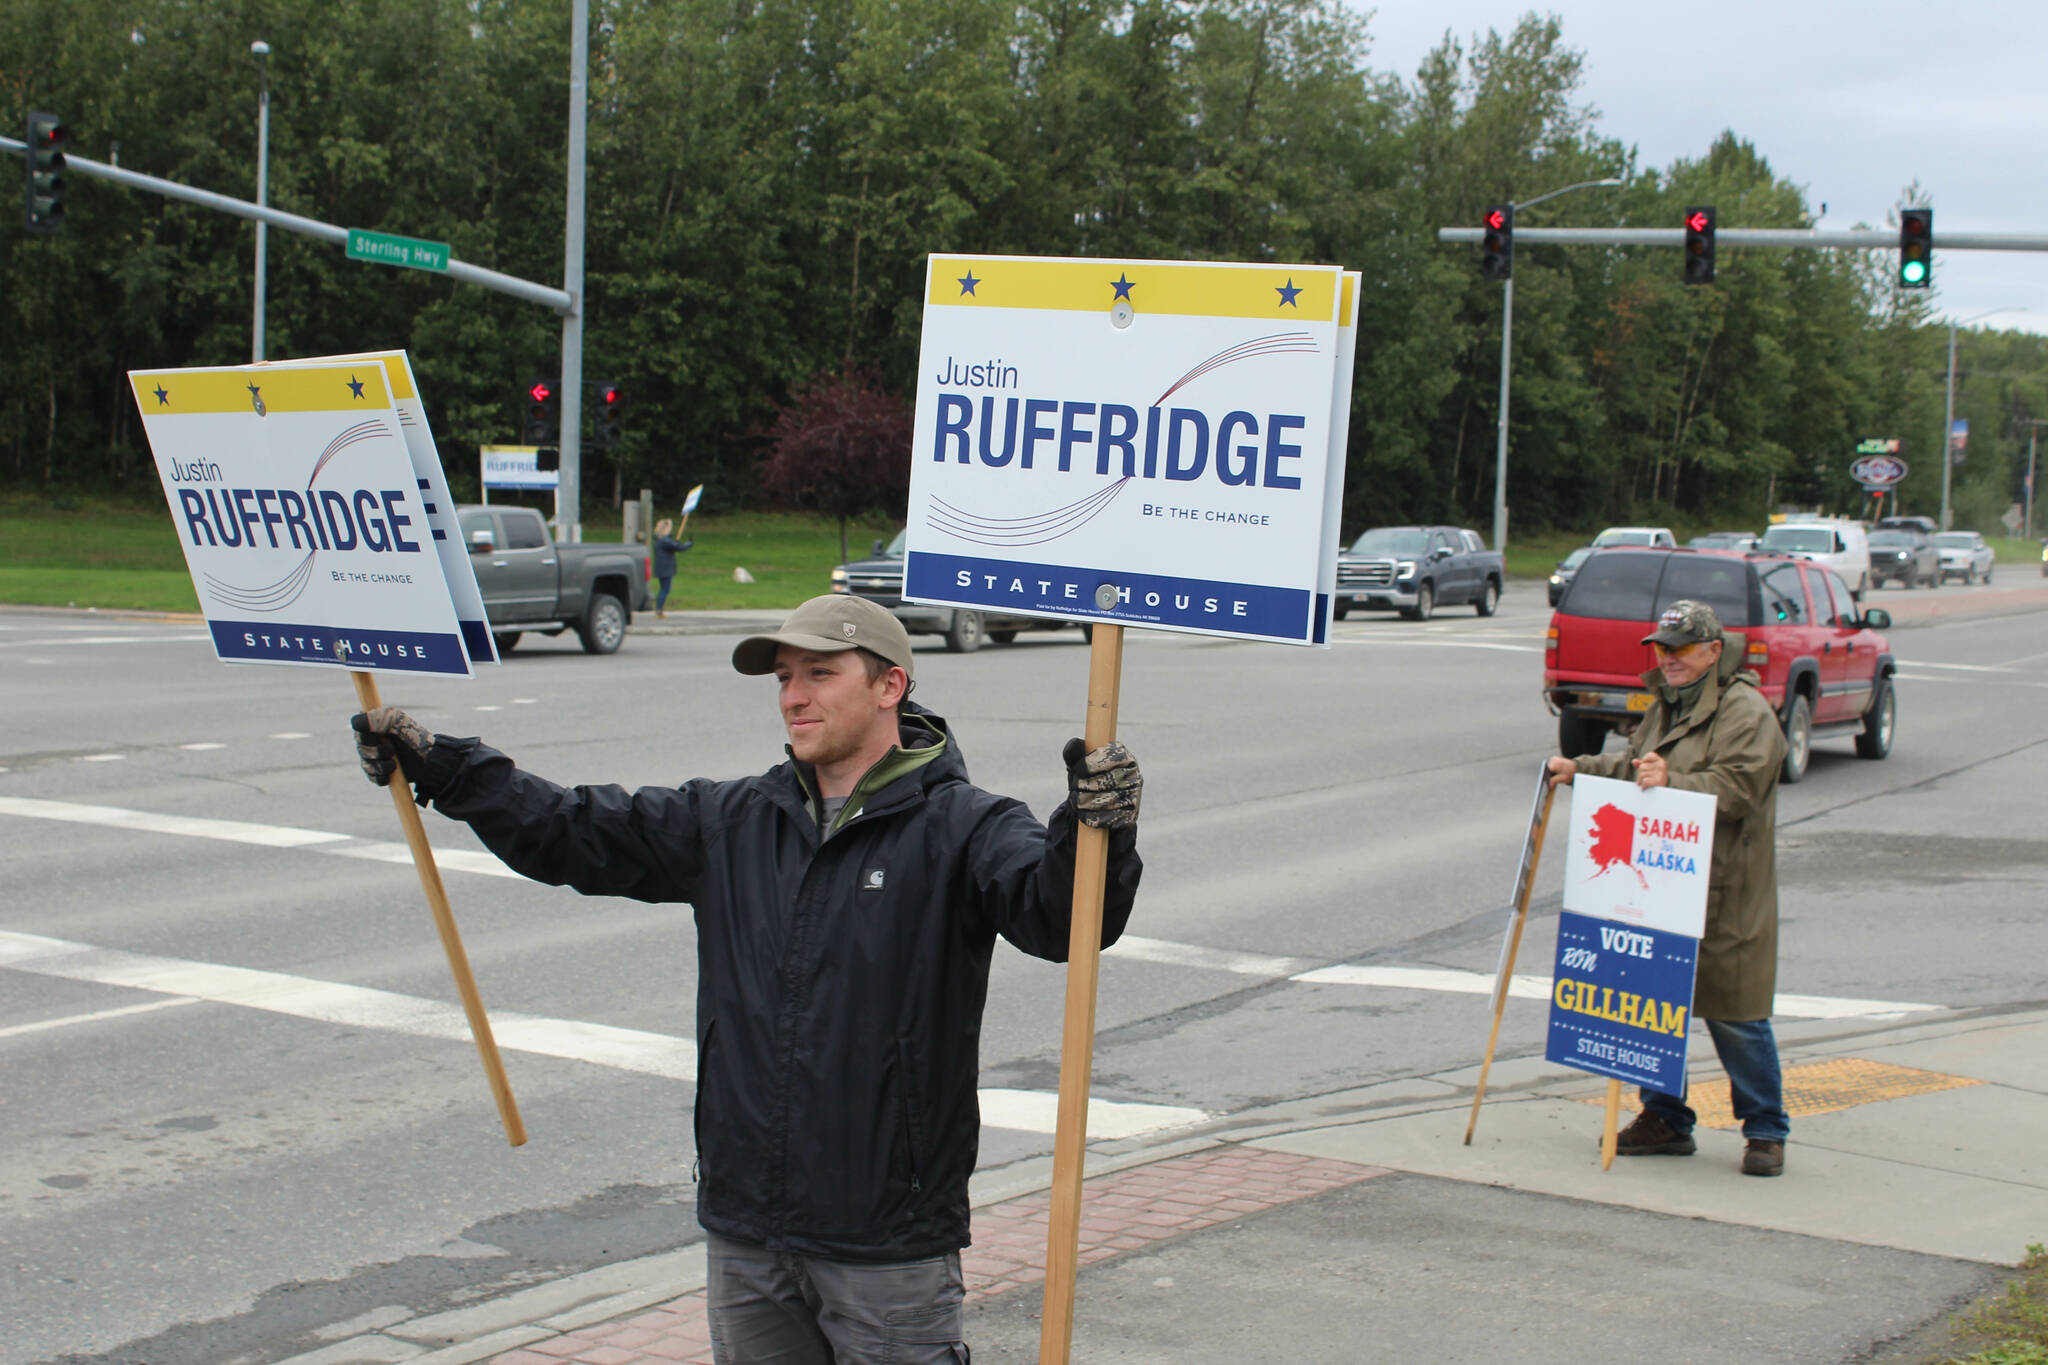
(1698, 220)
(541, 392)
(1496, 219)
(611, 395)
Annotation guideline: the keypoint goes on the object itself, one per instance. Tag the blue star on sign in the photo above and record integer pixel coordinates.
(355, 386)
(967, 283)
(163, 395)
(1122, 285)
(1287, 292)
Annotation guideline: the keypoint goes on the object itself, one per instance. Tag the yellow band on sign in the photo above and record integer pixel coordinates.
(278, 389)
(1276, 293)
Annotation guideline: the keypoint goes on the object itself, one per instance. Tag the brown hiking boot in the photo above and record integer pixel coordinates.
(1763, 1158)
(1652, 1136)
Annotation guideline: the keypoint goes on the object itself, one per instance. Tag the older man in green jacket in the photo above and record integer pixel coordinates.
(1710, 730)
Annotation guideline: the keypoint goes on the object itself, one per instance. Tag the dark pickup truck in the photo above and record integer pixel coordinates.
(530, 583)
(1416, 569)
(879, 578)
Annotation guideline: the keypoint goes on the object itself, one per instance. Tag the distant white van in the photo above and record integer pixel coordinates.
(1635, 535)
(1843, 546)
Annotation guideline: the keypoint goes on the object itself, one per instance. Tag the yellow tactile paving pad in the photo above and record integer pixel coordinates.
(1815, 1088)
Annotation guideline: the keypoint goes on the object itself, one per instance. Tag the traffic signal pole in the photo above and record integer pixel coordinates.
(569, 492)
(1887, 240)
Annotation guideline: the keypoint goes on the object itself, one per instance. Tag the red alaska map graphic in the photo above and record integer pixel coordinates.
(1614, 841)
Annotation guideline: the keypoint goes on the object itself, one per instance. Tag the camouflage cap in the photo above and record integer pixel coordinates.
(1685, 622)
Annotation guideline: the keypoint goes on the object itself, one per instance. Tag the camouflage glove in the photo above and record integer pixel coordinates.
(1104, 785)
(387, 740)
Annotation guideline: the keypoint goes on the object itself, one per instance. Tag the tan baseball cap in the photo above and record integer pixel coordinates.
(828, 625)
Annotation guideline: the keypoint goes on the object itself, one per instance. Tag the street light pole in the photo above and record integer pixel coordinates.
(1507, 333)
(2034, 426)
(261, 50)
(1948, 417)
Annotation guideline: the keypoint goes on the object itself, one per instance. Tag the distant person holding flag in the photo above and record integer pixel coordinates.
(1710, 730)
(666, 548)
(847, 904)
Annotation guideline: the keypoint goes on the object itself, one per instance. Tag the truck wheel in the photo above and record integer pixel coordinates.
(603, 627)
(1003, 637)
(1341, 609)
(1580, 735)
(964, 635)
(1878, 723)
(506, 640)
(1425, 603)
(1798, 740)
(1087, 632)
(1489, 598)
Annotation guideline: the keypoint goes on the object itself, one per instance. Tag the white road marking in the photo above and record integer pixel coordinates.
(291, 734)
(101, 758)
(526, 701)
(101, 640)
(1160, 951)
(332, 1002)
(208, 744)
(147, 1007)
(490, 708)
(1442, 644)
(1960, 668)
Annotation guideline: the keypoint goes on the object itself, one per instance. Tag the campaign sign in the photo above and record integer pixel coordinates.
(1619, 1001)
(516, 467)
(1638, 856)
(1143, 442)
(301, 517)
(1340, 444)
(440, 503)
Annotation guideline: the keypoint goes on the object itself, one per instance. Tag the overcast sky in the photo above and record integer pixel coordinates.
(1851, 101)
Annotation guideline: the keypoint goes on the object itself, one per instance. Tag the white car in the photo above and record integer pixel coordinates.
(1843, 546)
(1635, 535)
(1964, 555)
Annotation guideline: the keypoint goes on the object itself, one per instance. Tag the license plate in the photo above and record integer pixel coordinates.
(1641, 701)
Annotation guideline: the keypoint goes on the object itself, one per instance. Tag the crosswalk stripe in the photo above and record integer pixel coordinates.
(1159, 951)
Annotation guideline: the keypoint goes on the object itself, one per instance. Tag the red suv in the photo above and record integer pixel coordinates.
(1825, 669)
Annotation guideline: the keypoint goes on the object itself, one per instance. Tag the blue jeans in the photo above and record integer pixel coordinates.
(661, 598)
(783, 1308)
(1749, 1054)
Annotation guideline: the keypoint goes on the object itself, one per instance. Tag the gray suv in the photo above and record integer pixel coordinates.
(1906, 554)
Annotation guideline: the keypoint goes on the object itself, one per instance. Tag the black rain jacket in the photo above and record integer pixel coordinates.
(840, 980)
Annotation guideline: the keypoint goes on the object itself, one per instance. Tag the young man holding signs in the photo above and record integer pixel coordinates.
(1710, 730)
(847, 903)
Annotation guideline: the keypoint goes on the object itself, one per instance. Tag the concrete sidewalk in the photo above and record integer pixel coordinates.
(1358, 1227)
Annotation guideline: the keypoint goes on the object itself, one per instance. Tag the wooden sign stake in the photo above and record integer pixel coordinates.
(451, 940)
(1608, 1139)
(1077, 1042)
(1507, 966)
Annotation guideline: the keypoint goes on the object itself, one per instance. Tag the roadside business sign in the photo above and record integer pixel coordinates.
(1635, 908)
(1876, 472)
(302, 518)
(1148, 443)
(440, 502)
(384, 248)
(516, 467)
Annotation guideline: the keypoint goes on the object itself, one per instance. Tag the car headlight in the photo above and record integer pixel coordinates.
(1555, 580)
(839, 580)
(1406, 568)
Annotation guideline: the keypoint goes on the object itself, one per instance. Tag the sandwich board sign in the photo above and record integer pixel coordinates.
(1149, 443)
(1635, 908)
(302, 517)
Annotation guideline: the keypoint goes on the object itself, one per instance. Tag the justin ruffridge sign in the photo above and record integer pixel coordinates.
(1151, 443)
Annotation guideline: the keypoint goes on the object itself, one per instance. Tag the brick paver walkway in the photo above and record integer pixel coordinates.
(1121, 1212)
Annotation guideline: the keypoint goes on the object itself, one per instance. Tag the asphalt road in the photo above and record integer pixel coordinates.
(236, 1119)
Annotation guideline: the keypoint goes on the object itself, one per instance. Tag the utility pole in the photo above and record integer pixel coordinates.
(261, 50)
(570, 489)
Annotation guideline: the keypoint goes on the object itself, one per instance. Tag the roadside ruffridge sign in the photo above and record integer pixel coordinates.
(1635, 908)
(1150, 443)
(302, 517)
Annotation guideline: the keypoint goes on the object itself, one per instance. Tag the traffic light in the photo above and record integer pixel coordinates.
(1497, 246)
(47, 138)
(1916, 248)
(543, 413)
(608, 419)
(1699, 244)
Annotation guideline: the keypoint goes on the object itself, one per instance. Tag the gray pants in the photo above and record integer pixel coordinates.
(782, 1308)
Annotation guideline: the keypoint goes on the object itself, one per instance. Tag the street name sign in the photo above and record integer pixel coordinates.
(1148, 443)
(384, 248)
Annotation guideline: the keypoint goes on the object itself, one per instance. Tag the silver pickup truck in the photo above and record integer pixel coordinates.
(1416, 569)
(530, 583)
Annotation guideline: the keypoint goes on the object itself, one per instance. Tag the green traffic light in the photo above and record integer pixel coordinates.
(1912, 272)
